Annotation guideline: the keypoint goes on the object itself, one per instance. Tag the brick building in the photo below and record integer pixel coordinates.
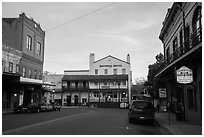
(181, 36)
(25, 35)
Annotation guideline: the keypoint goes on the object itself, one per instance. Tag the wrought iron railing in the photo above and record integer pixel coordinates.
(194, 39)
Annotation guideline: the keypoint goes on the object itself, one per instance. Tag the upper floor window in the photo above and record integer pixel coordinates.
(17, 68)
(29, 42)
(175, 44)
(124, 71)
(24, 72)
(10, 67)
(96, 71)
(72, 84)
(105, 71)
(115, 71)
(29, 73)
(40, 75)
(197, 22)
(35, 74)
(38, 48)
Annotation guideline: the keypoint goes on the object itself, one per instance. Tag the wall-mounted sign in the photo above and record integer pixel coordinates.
(184, 75)
(162, 93)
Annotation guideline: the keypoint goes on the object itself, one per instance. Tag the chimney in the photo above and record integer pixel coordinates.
(91, 63)
(128, 58)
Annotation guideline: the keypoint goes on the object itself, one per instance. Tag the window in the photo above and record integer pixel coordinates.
(40, 75)
(124, 83)
(105, 83)
(29, 73)
(10, 67)
(168, 55)
(175, 44)
(115, 71)
(96, 71)
(35, 74)
(105, 71)
(17, 68)
(197, 22)
(124, 71)
(72, 84)
(181, 41)
(29, 42)
(24, 72)
(38, 48)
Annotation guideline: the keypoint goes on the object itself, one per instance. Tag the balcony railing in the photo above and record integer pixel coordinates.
(194, 39)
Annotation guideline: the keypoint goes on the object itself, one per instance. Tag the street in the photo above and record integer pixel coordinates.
(84, 121)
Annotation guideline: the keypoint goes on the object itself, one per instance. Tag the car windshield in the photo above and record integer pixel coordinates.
(141, 104)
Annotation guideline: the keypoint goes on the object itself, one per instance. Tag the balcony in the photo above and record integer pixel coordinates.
(192, 43)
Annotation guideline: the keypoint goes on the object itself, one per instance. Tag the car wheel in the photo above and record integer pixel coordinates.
(28, 111)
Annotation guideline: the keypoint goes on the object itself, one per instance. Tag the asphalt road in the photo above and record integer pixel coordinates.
(87, 121)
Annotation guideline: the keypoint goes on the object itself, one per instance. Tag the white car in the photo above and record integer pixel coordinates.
(123, 105)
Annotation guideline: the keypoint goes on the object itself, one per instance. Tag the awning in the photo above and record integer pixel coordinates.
(30, 81)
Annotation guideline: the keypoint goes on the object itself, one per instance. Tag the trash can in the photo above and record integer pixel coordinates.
(178, 115)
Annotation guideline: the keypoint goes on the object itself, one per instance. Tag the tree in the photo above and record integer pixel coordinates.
(152, 83)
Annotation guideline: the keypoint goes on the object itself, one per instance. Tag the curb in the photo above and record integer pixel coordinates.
(163, 128)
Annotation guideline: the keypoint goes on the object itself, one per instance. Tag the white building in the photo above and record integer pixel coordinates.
(108, 81)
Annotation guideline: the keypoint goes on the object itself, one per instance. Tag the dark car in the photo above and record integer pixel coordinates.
(141, 110)
(21, 109)
(32, 107)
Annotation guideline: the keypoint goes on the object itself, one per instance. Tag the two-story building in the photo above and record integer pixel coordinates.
(10, 78)
(107, 83)
(181, 36)
(26, 35)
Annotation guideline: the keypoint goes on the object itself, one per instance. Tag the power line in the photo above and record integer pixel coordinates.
(82, 16)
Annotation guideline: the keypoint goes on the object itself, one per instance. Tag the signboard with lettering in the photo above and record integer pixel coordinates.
(110, 66)
(184, 75)
(162, 93)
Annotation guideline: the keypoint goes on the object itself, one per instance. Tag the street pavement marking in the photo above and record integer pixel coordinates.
(41, 123)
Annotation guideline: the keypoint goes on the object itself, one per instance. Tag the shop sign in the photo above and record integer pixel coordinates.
(162, 93)
(184, 75)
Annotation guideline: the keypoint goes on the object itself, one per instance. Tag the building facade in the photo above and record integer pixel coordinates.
(10, 77)
(107, 82)
(25, 35)
(52, 88)
(181, 36)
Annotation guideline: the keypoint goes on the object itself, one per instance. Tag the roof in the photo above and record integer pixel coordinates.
(111, 57)
(94, 77)
(76, 71)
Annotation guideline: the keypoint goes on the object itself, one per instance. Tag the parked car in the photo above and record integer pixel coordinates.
(56, 107)
(46, 107)
(32, 107)
(141, 110)
(123, 105)
(21, 109)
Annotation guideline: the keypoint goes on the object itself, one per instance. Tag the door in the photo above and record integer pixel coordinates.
(76, 100)
(68, 100)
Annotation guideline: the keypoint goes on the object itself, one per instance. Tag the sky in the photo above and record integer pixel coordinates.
(119, 29)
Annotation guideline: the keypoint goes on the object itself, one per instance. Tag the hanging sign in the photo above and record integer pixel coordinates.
(184, 75)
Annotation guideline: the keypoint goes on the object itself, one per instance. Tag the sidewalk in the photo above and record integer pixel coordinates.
(176, 127)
